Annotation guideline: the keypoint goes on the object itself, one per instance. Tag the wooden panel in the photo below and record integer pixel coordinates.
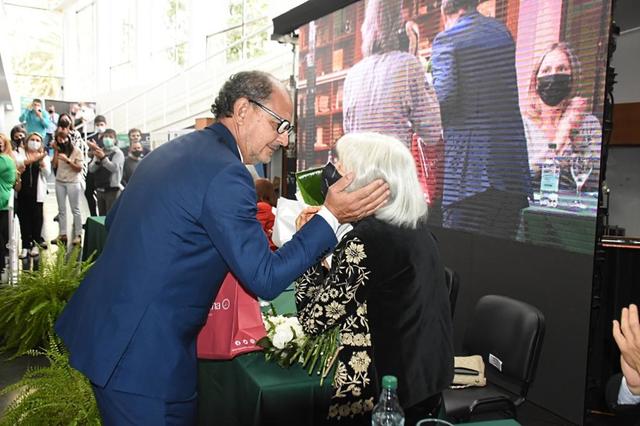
(203, 122)
(626, 124)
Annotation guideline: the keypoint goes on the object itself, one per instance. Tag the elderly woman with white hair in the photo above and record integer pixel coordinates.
(385, 291)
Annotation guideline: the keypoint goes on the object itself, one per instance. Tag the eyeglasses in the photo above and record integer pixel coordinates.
(284, 126)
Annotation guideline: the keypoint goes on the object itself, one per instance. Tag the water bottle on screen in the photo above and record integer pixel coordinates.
(550, 178)
(387, 411)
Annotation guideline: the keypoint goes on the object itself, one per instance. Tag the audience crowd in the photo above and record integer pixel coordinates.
(47, 147)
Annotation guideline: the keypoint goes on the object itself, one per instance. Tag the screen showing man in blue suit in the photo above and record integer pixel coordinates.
(486, 171)
(132, 330)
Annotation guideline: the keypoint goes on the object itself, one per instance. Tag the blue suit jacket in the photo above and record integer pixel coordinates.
(474, 75)
(187, 217)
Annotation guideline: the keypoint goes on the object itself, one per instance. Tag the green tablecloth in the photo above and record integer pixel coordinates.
(570, 230)
(95, 236)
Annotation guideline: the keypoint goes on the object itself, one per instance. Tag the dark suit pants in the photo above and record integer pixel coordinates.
(124, 409)
(492, 212)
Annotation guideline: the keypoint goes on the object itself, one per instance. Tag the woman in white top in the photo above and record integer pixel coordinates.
(34, 167)
(68, 161)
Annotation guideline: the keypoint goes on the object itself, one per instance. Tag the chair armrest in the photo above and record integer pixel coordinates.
(494, 400)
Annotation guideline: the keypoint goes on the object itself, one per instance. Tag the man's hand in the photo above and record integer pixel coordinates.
(627, 336)
(305, 216)
(353, 206)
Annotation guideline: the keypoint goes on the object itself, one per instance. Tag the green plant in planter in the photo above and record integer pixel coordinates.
(52, 395)
(28, 309)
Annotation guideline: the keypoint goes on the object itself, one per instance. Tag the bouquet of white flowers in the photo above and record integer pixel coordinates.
(286, 344)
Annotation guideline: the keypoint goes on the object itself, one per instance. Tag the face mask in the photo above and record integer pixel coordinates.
(328, 177)
(100, 129)
(554, 88)
(108, 143)
(136, 154)
(34, 145)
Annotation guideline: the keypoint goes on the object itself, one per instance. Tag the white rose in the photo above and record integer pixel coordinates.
(282, 336)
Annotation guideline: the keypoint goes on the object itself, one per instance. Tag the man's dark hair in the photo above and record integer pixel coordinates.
(254, 85)
(134, 130)
(36, 100)
(18, 128)
(110, 132)
(99, 119)
(452, 6)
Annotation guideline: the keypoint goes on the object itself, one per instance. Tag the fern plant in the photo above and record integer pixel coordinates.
(52, 395)
(28, 309)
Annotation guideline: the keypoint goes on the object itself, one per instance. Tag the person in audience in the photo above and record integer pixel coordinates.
(134, 157)
(35, 119)
(8, 175)
(626, 333)
(18, 133)
(558, 115)
(67, 129)
(100, 125)
(132, 329)
(266, 204)
(34, 166)
(474, 74)
(135, 135)
(106, 168)
(384, 290)
(53, 124)
(68, 163)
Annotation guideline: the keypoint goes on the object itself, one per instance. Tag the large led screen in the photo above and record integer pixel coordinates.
(500, 102)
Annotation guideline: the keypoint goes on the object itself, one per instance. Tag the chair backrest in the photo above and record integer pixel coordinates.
(508, 334)
(452, 280)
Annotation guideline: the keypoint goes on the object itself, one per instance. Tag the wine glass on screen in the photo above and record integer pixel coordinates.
(581, 168)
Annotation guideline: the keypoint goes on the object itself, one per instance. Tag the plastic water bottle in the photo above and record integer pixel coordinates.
(387, 411)
(550, 179)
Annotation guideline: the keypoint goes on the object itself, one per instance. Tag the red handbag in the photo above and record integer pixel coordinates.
(234, 324)
(429, 159)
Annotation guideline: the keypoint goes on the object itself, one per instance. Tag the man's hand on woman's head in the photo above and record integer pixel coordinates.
(353, 206)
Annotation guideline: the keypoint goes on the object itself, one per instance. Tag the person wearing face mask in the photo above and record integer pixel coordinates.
(8, 176)
(134, 157)
(106, 167)
(34, 166)
(68, 163)
(474, 74)
(100, 125)
(18, 134)
(557, 114)
(384, 290)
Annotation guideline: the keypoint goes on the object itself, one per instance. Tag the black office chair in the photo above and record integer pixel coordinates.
(508, 335)
(452, 280)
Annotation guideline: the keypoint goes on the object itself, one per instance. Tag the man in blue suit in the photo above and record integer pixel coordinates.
(486, 174)
(132, 330)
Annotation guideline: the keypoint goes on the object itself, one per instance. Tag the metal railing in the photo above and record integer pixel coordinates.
(176, 101)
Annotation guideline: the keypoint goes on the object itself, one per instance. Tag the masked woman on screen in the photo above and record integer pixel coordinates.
(557, 116)
(384, 290)
(386, 92)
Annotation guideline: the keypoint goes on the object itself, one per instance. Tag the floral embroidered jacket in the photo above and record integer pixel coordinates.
(385, 290)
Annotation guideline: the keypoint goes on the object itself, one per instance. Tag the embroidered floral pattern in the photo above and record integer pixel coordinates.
(354, 253)
(326, 298)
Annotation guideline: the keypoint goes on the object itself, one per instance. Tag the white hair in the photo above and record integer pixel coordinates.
(372, 156)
